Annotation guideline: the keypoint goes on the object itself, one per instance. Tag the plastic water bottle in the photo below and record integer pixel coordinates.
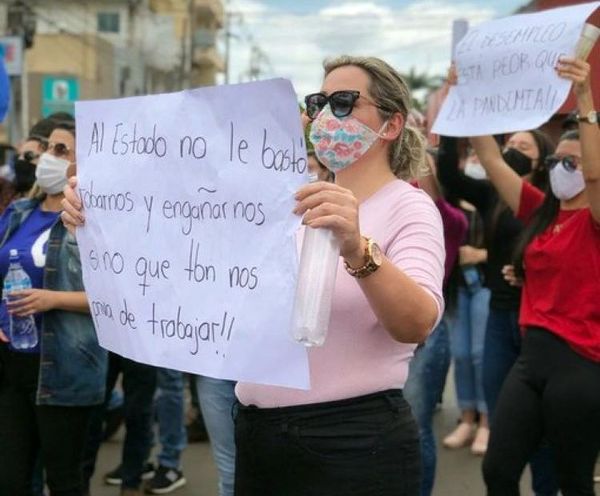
(23, 333)
(316, 280)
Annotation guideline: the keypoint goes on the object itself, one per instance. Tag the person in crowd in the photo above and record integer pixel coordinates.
(48, 391)
(217, 400)
(525, 153)
(170, 413)
(22, 169)
(353, 432)
(429, 367)
(139, 386)
(7, 152)
(196, 430)
(553, 389)
(467, 333)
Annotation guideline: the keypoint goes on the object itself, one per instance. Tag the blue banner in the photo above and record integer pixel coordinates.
(4, 91)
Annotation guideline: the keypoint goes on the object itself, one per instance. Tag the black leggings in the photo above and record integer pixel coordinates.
(551, 392)
(27, 429)
(365, 446)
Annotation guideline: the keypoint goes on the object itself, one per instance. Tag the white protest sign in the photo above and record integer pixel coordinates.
(188, 249)
(506, 76)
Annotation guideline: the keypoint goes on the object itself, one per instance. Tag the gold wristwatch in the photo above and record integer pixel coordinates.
(591, 117)
(373, 260)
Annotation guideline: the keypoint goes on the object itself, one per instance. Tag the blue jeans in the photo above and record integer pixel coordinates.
(217, 397)
(467, 339)
(422, 390)
(502, 348)
(170, 412)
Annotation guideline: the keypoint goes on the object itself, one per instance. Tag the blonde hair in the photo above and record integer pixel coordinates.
(36, 193)
(389, 90)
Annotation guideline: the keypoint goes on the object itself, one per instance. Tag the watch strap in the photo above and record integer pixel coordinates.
(369, 265)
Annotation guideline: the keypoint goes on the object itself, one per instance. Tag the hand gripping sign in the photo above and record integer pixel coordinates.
(506, 76)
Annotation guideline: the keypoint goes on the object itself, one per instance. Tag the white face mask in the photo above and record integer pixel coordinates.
(51, 173)
(475, 170)
(566, 184)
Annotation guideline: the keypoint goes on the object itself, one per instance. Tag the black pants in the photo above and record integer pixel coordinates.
(365, 446)
(551, 392)
(139, 385)
(58, 432)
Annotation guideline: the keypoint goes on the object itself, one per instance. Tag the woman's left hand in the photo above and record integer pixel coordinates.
(577, 71)
(32, 301)
(327, 205)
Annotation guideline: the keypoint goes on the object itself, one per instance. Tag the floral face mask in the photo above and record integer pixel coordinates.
(339, 142)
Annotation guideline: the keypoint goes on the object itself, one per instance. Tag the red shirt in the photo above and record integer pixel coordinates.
(561, 292)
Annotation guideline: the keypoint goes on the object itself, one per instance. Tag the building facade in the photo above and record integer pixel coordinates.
(97, 49)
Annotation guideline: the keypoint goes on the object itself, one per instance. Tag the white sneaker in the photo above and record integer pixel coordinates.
(480, 444)
(460, 437)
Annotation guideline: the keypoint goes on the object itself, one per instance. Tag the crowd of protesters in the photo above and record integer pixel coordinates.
(484, 251)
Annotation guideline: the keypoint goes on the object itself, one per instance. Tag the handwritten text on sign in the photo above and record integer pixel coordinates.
(506, 76)
(188, 250)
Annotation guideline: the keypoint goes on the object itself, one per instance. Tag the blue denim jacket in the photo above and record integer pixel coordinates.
(72, 364)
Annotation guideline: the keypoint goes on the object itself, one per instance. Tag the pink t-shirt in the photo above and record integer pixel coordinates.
(359, 356)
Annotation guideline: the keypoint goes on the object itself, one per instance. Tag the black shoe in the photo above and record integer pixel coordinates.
(165, 480)
(149, 472)
(114, 477)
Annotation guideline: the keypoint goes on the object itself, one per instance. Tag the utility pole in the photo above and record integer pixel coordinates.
(3, 18)
(227, 44)
(229, 17)
(19, 21)
(187, 47)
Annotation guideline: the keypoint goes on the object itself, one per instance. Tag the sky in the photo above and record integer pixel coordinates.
(294, 36)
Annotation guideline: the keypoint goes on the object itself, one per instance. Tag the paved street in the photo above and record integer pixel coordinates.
(458, 471)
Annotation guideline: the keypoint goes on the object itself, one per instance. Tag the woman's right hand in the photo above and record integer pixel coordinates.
(3, 337)
(72, 216)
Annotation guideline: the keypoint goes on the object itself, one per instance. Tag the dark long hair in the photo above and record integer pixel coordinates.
(539, 178)
(541, 218)
(545, 146)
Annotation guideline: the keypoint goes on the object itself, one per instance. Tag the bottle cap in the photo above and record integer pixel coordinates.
(586, 42)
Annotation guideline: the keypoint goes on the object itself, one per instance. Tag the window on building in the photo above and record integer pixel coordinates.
(108, 22)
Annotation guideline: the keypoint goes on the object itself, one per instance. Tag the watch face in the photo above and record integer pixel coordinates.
(593, 117)
(376, 254)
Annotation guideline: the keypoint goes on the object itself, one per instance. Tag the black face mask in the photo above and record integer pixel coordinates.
(518, 161)
(24, 175)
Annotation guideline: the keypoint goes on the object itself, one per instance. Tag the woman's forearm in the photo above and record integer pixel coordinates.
(406, 310)
(72, 301)
(589, 135)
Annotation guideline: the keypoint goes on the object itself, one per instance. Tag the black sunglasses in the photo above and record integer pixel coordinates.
(341, 103)
(30, 156)
(59, 149)
(569, 162)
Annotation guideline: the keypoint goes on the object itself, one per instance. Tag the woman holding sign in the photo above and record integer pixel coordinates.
(52, 369)
(553, 390)
(353, 432)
